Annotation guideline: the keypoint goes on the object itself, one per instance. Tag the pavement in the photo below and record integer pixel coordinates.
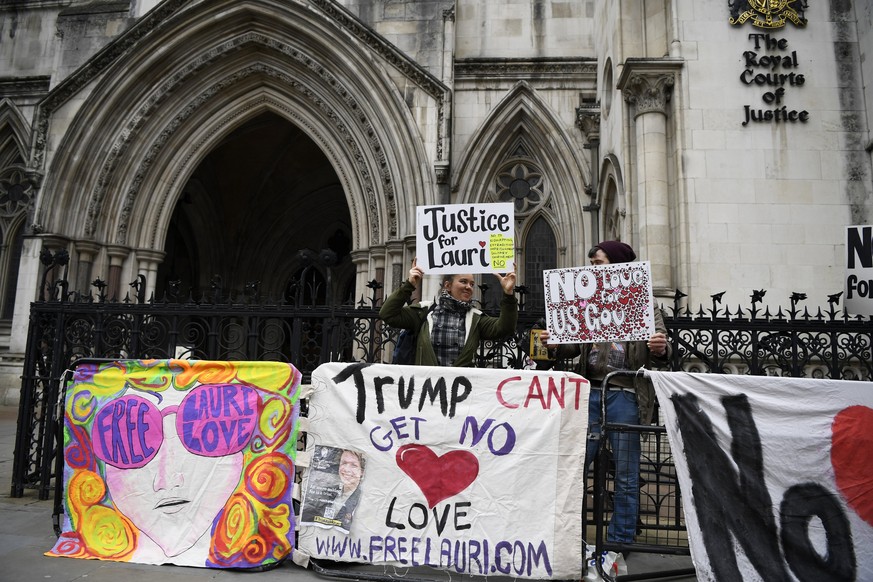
(26, 533)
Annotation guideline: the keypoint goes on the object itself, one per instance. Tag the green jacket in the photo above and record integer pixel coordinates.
(396, 313)
(638, 356)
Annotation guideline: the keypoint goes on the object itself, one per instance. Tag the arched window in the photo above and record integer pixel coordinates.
(613, 211)
(15, 199)
(10, 277)
(521, 181)
(541, 253)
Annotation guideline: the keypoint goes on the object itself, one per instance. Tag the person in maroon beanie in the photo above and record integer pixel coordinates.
(629, 400)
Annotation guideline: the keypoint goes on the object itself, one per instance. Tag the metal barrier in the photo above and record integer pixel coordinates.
(660, 523)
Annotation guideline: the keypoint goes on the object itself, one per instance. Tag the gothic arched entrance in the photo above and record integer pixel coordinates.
(261, 206)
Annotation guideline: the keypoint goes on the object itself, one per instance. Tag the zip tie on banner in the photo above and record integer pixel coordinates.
(303, 459)
(63, 375)
(300, 558)
(59, 405)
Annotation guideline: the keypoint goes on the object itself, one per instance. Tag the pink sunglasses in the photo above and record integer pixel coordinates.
(213, 420)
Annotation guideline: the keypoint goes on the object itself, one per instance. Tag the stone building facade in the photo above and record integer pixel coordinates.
(727, 140)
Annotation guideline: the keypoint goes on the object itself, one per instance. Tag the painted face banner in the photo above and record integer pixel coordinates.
(180, 462)
(474, 471)
(465, 238)
(775, 474)
(859, 270)
(600, 303)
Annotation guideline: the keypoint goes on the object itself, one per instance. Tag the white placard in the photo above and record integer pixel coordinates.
(465, 238)
(599, 303)
(475, 471)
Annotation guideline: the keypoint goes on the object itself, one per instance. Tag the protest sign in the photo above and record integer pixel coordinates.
(859, 270)
(476, 471)
(465, 238)
(774, 473)
(180, 462)
(599, 303)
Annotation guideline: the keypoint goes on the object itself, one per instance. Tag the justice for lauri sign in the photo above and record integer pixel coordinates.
(465, 238)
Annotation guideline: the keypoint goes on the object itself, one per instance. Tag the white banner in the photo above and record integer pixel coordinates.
(465, 238)
(776, 475)
(476, 471)
(858, 289)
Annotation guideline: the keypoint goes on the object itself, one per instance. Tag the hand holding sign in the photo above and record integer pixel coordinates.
(507, 282)
(658, 344)
(415, 273)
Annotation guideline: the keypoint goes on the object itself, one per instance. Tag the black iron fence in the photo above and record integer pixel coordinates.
(67, 326)
(792, 342)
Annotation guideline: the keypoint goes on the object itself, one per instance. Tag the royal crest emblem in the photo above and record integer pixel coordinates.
(768, 14)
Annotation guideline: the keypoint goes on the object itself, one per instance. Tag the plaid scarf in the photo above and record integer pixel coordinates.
(606, 357)
(449, 328)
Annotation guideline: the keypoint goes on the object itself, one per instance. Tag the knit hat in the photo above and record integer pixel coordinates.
(617, 251)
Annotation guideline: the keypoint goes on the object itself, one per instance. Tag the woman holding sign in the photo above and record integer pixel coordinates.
(630, 401)
(450, 328)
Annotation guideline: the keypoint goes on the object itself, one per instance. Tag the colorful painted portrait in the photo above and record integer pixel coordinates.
(181, 462)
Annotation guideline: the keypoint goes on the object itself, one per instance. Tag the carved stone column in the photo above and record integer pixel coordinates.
(117, 255)
(87, 251)
(29, 280)
(378, 265)
(647, 88)
(394, 266)
(361, 260)
(444, 111)
(588, 122)
(441, 172)
(149, 260)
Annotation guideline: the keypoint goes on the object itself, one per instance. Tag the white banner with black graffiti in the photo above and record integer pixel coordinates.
(776, 475)
(474, 471)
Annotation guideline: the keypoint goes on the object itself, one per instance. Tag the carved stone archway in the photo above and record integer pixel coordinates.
(523, 121)
(148, 122)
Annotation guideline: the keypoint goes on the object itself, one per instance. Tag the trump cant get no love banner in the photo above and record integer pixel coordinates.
(776, 474)
(475, 471)
(180, 462)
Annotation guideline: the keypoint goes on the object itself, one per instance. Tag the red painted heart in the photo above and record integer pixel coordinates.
(438, 477)
(482, 243)
(851, 441)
